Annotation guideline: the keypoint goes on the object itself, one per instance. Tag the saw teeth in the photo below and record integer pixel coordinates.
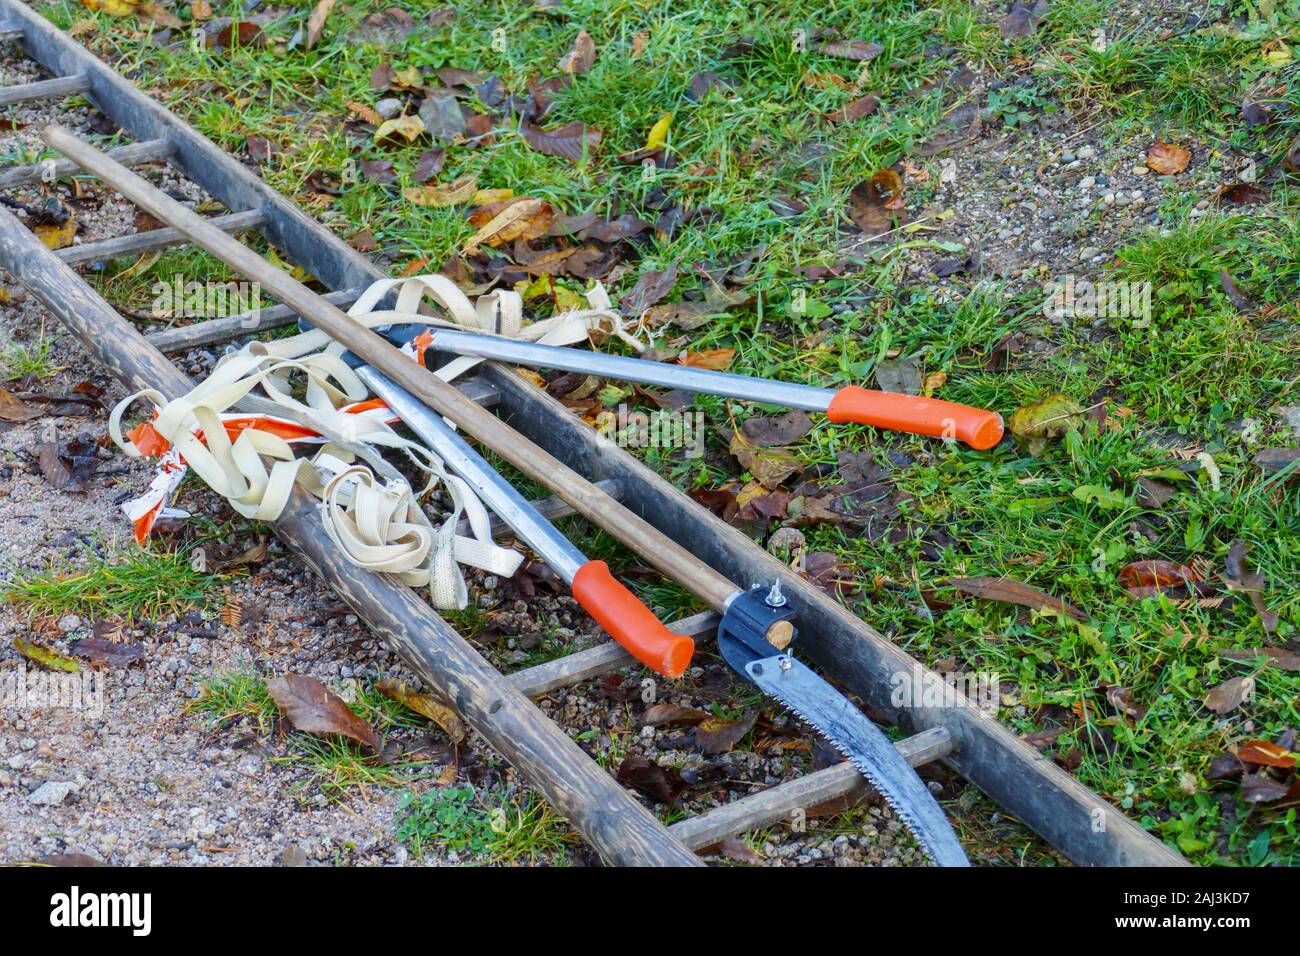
(909, 821)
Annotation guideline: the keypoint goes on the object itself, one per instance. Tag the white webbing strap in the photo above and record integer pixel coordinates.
(377, 525)
(497, 313)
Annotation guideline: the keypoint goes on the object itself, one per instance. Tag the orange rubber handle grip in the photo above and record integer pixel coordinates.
(630, 622)
(919, 416)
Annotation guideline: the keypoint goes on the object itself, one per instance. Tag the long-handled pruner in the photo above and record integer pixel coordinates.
(754, 634)
(978, 428)
(612, 605)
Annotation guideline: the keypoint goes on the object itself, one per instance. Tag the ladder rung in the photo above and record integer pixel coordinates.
(776, 804)
(232, 327)
(133, 154)
(564, 671)
(480, 391)
(234, 222)
(549, 508)
(59, 86)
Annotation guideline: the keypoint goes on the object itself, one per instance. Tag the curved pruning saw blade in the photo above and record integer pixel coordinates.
(866, 746)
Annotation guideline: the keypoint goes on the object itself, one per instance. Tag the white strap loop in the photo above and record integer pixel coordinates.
(378, 525)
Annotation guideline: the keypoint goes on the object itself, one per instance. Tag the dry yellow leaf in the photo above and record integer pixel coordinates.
(752, 490)
(200, 9)
(409, 78)
(409, 128)
(640, 41)
(446, 194)
(58, 237)
(485, 196)
(114, 8)
(525, 219)
(714, 359)
(158, 15)
(316, 22)
(659, 132)
(426, 706)
(933, 382)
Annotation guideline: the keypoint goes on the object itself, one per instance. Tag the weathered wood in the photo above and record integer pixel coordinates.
(210, 331)
(132, 154)
(778, 803)
(653, 545)
(601, 659)
(550, 508)
(618, 827)
(44, 89)
(1085, 828)
(139, 242)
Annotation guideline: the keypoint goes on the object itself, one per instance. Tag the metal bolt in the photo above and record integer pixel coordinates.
(785, 663)
(774, 597)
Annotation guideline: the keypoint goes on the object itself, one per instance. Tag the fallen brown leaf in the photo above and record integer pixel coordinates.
(1022, 19)
(771, 466)
(1166, 159)
(859, 50)
(14, 409)
(316, 22)
(574, 141)
(1231, 694)
(768, 430)
(581, 57)
(666, 715)
(857, 109)
(97, 650)
(1264, 753)
(312, 708)
(876, 204)
(446, 194)
(518, 218)
(714, 359)
(1015, 592)
(661, 784)
(715, 735)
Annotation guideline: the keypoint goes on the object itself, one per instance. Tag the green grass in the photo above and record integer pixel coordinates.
(505, 832)
(31, 362)
(331, 765)
(1198, 376)
(234, 695)
(137, 584)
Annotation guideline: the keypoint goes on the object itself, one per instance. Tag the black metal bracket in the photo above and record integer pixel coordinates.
(742, 633)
